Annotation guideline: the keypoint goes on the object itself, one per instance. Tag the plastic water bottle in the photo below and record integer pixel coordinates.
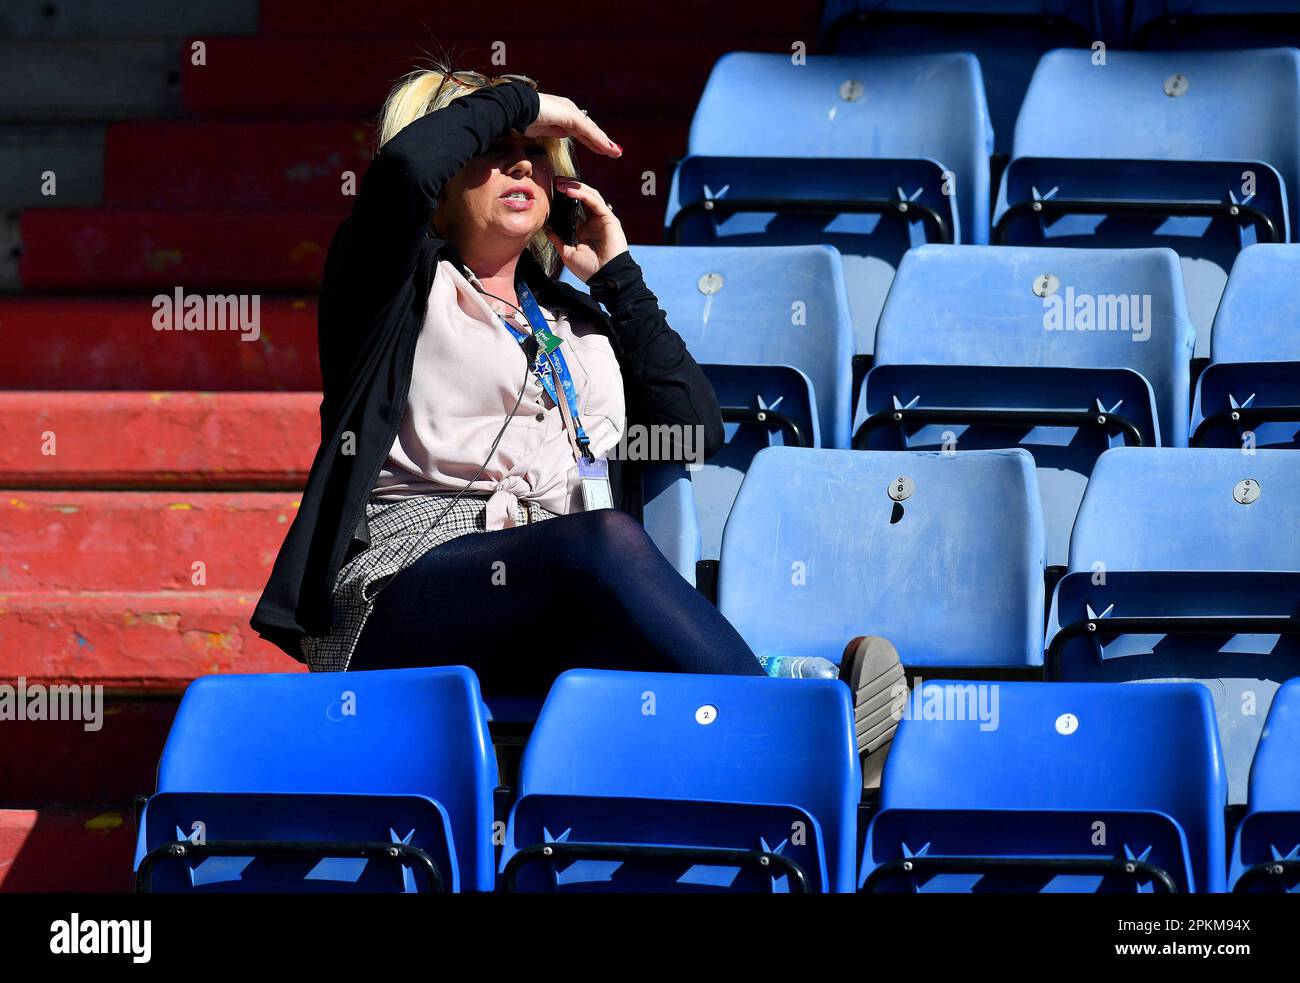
(799, 667)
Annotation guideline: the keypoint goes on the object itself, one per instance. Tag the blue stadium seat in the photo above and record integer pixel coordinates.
(1249, 395)
(771, 327)
(1173, 578)
(1176, 509)
(671, 514)
(1225, 25)
(1007, 36)
(1199, 151)
(1050, 787)
(1236, 633)
(369, 781)
(1266, 850)
(982, 346)
(695, 783)
(870, 155)
(940, 553)
(752, 307)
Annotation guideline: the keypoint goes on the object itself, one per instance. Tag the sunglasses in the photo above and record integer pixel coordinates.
(476, 80)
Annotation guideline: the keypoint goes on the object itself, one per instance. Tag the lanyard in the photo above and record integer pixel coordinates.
(550, 365)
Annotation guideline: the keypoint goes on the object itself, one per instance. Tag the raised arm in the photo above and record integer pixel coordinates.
(377, 247)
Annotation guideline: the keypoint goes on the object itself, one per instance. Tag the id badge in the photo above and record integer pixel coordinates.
(596, 492)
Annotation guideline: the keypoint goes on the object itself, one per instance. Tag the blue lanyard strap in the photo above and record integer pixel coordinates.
(550, 363)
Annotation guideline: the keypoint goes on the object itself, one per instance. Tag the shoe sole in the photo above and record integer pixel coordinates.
(874, 674)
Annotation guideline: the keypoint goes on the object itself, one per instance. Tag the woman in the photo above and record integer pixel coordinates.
(448, 410)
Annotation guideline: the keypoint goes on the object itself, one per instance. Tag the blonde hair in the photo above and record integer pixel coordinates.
(422, 92)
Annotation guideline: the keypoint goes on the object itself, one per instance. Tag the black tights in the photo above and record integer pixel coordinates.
(519, 606)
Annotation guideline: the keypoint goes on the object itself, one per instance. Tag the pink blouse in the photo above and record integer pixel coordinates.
(466, 376)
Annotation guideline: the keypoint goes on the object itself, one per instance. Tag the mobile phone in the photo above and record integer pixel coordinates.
(565, 216)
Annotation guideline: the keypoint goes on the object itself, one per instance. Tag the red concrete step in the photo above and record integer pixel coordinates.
(157, 439)
(140, 541)
(794, 19)
(201, 250)
(282, 164)
(266, 76)
(111, 343)
(63, 761)
(294, 165)
(61, 849)
(133, 642)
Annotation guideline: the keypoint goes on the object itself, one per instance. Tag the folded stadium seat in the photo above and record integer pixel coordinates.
(870, 155)
(1047, 788)
(679, 782)
(1065, 352)
(1266, 850)
(1185, 564)
(771, 327)
(1007, 36)
(1249, 394)
(1199, 151)
(940, 553)
(1164, 25)
(373, 781)
(1190, 509)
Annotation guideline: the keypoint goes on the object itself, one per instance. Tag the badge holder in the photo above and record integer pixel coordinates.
(596, 492)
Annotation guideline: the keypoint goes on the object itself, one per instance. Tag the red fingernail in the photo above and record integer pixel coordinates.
(616, 146)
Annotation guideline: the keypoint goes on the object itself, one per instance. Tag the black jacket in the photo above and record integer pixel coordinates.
(376, 283)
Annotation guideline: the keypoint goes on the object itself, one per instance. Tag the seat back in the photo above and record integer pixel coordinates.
(1275, 775)
(692, 761)
(1259, 316)
(982, 305)
(941, 553)
(404, 732)
(1255, 354)
(763, 305)
(1181, 508)
(1079, 770)
(1271, 828)
(847, 106)
(1230, 106)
